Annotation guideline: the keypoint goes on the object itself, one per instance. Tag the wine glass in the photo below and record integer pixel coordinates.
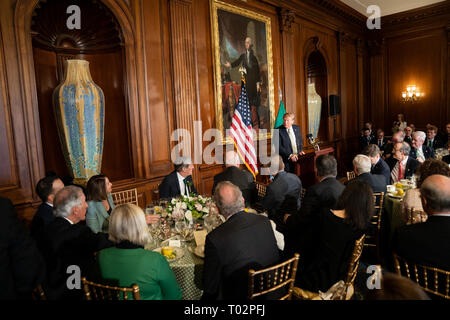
(180, 226)
(149, 209)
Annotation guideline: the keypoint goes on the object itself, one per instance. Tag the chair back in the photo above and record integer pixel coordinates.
(354, 261)
(38, 293)
(262, 188)
(351, 175)
(373, 237)
(97, 291)
(416, 216)
(303, 193)
(432, 280)
(273, 278)
(125, 196)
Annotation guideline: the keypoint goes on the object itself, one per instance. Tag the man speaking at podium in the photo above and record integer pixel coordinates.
(291, 145)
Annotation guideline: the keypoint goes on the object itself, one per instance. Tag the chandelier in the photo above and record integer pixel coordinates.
(411, 94)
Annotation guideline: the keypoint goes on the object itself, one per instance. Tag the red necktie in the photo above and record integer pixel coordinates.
(400, 172)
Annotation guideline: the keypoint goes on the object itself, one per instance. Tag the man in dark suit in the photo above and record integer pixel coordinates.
(446, 158)
(362, 166)
(179, 182)
(379, 166)
(46, 189)
(66, 243)
(408, 135)
(364, 139)
(290, 142)
(420, 152)
(428, 243)
(379, 140)
(242, 179)
(22, 267)
(322, 194)
(433, 141)
(283, 194)
(243, 241)
(401, 164)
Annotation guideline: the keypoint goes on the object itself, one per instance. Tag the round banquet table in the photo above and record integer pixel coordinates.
(188, 271)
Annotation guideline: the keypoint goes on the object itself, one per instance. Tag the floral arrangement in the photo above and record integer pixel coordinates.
(189, 208)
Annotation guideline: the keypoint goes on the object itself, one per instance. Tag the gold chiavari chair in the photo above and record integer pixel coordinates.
(125, 196)
(97, 291)
(416, 216)
(373, 237)
(303, 193)
(273, 278)
(351, 175)
(432, 280)
(262, 188)
(345, 291)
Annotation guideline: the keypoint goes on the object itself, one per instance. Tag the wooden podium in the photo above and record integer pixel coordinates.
(304, 167)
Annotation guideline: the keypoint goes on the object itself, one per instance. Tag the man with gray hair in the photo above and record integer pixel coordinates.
(428, 243)
(179, 182)
(397, 137)
(420, 152)
(68, 243)
(362, 166)
(401, 164)
(241, 178)
(244, 241)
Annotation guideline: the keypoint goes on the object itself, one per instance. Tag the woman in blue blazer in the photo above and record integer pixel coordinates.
(100, 203)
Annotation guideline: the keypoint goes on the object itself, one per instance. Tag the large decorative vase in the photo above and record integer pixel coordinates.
(314, 110)
(79, 109)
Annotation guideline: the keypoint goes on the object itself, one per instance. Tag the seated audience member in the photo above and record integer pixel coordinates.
(100, 203)
(179, 182)
(369, 124)
(282, 194)
(323, 194)
(400, 123)
(379, 140)
(428, 243)
(66, 242)
(433, 141)
(402, 165)
(412, 196)
(379, 166)
(364, 139)
(46, 189)
(21, 265)
(412, 126)
(396, 287)
(408, 135)
(362, 166)
(129, 263)
(398, 136)
(241, 178)
(243, 241)
(420, 152)
(446, 158)
(328, 241)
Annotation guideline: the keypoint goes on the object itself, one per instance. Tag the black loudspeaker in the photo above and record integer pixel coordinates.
(335, 105)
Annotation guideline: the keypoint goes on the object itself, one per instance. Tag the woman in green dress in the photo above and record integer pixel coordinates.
(129, 263)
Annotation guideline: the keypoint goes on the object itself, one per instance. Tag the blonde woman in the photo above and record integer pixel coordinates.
(128, 262)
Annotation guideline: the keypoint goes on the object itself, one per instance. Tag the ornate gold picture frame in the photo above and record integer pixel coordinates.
(241, 37)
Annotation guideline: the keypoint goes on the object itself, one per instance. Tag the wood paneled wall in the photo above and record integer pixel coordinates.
(411, 49)
(168, 80)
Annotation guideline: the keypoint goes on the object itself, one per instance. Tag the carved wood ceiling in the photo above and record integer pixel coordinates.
(99, 30)
(388, 7)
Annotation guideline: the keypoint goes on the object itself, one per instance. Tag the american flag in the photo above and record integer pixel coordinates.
(241, 132)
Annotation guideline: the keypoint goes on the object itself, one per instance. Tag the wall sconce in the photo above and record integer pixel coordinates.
(411, 94)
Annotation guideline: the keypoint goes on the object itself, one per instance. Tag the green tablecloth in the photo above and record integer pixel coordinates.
(393, 207)
(188, 271)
